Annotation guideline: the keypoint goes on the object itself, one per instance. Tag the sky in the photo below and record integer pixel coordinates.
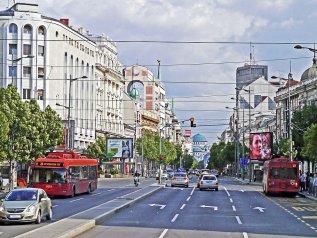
(199, 44)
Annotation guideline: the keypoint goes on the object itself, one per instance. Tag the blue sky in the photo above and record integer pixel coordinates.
(201, 72)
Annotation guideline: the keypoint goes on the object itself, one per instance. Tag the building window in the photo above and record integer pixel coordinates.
(27, 49)
(12, 49)
(40, 93)
(41, 50)
(26, 71)
(27, 29)
(40, 72)
(26, 93)
(13, 28)
(12, 71)
(41, 31)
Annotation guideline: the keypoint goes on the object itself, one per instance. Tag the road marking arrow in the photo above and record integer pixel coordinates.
(214, 207)
(261, 209)
(158, 205)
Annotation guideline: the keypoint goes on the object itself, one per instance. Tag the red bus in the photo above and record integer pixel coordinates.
(64, 174)
(281, 175)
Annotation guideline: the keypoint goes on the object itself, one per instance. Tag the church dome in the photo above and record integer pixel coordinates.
(310, 73)
(199, 138)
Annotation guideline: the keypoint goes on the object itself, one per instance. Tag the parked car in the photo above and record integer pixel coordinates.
(208, 181)
(170, 173)
(180, 179)
(26, 205)
(164, 175)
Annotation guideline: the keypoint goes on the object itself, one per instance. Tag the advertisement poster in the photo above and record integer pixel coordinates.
(119, 148)
(261, 145)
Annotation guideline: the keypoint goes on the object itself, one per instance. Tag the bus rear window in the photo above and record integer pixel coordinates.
(283, 173)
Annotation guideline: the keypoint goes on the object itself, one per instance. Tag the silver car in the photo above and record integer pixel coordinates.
(180, 179)
(26, 205)
(208, 181)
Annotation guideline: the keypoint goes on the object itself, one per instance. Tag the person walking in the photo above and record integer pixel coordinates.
(302, 180)
(315, 185)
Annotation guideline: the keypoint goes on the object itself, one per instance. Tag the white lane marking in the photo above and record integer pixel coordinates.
(188, 199)
(231, 200)
(245, 235)
(110, 190)
(238, 220)
(94, 194)
(242, 191)
(163, 233)
(182, 207)
(174, 218)
(157, 205)
(227, 191)
(234, 208)
(76, 200)
(192, 191)
(55, 206)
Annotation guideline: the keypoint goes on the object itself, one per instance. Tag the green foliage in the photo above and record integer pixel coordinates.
(220, 155)
(310, 141)
(97, 149)
(151, 148)
(301, 120)
(28, 132)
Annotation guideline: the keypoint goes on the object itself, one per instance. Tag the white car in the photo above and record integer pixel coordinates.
(208, 181)
(180, 179)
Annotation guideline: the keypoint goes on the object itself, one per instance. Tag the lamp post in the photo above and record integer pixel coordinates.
(290, 77)
(237, 150)
(69, 141)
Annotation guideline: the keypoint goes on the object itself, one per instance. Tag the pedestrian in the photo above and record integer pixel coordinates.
(307, 182)
(302, 180)
(1, 181)
(311, 180)
(315, 185)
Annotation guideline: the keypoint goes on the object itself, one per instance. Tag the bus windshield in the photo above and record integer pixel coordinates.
(283, 173)
(49, 175)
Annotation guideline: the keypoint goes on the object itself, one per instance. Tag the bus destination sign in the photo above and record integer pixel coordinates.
(52, 164)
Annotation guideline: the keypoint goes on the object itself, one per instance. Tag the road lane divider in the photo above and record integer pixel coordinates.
(245, 235)
(182, 207)
(191, 193)
(234, 208)
(163, 233)
(76, 200)
(188, 199)
(174, 218)
(227, 191)
(238, 220)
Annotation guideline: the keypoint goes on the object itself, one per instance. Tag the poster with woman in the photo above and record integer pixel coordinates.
(261, 145)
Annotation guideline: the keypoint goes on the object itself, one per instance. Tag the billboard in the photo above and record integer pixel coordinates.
(119, 148)
(261, 145)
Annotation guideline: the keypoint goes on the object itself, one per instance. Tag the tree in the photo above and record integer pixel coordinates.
(301, 120)
(98, 149)
(310, 142)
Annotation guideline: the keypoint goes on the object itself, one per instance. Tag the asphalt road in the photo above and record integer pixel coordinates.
(108, 189)
(236, 210)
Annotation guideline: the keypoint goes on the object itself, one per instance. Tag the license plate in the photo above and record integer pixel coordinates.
(15, 216)
(49, 186)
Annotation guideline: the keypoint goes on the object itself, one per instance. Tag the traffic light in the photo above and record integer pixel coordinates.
(192, 120)
(161, 157)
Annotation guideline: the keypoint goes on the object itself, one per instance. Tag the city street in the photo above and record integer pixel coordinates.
(236, 210)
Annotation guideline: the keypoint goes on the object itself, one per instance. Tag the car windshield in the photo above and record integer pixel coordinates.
(22, 195)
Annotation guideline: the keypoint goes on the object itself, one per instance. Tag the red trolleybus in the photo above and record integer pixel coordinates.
(280, 175)
(64, 174)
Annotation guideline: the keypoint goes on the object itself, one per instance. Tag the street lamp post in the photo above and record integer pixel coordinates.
(237, 139)
(290, 77)
(69, 141)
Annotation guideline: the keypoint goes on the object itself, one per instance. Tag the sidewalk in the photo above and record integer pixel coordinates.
(83, 221)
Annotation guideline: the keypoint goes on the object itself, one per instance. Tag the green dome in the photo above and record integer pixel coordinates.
(134, 93)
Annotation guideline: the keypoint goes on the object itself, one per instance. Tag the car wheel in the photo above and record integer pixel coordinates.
(187, 185)
(200, 189)
(49, 216)
(38, 218)
(172, 185)
(216, 189)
